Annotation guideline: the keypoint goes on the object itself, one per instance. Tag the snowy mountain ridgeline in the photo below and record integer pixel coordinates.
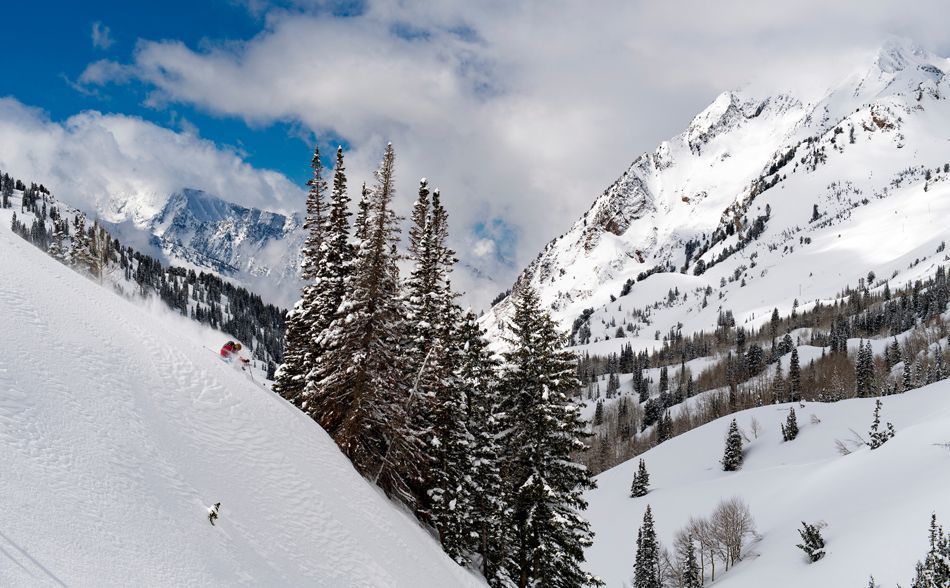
(257, 248)
(765, 199)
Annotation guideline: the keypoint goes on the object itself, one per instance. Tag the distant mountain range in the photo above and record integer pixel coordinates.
(257, 248)
(762, 200)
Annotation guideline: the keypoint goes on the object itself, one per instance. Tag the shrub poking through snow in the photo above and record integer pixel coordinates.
(877, 436)
(813, 544)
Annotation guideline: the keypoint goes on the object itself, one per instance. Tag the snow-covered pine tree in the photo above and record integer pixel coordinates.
(337, 253)
(934, 570)
(790, 428)
(664, 427)
(476, 373)
(431, 353)
(691, 573)
(332, 271)
(80, 254)
(315, 220)
(57, 247)
(599, 413)
(543, 430)
(732, 456)
(646, 567)
(938, 370)
(794, 377)
(100, 250)
(425, 355)
(299, 348)
(813, 544)
(358, 392)
(877, 437)
(864, 371)
(641, 481)
(778, 384)
(451, 489)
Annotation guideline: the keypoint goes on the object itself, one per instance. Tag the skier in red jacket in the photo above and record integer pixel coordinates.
(232, 350)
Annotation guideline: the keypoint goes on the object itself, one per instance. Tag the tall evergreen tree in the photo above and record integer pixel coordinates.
(934, 570)
(664, 427)
(599, 413)
(778, 384)
(299, 349)
(864, 371)
(80, 254)
(332, 272)
(543, 431)
(691, 573)
(358, 393)
(794, 377)
(476, 373)
(57, 247)
(361, 223)
(646, 570)
(450, 487)
(337, 253)
(732, 456)
(315, 220)
(430, 345)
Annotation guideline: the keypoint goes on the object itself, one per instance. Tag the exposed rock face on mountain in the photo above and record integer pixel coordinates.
(742, 186)
(255, 247)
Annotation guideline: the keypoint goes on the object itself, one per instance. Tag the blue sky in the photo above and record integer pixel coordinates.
(49, 55)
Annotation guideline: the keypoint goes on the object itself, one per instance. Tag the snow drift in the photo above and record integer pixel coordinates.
(877, 504)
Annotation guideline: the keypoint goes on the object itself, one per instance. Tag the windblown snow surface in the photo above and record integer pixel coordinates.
(877, 504)
(119, 428)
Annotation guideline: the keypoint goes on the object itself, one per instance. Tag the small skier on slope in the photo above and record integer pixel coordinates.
(232, 351)
(213, 512)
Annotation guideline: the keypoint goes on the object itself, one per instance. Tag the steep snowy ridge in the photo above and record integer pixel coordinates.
(120, 426)
(697, 200)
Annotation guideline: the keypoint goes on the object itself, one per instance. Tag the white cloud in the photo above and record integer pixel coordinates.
(483, 248)
(523, 111)
(101, 36)
(92, 156)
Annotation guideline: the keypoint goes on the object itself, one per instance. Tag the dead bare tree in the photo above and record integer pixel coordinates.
(732, 523)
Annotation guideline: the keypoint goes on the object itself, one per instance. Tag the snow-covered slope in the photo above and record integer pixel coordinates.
(877, 504)
(119, 427)
(257, 248)
(735, 193)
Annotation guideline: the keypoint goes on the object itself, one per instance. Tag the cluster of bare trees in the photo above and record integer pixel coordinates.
(719, 538)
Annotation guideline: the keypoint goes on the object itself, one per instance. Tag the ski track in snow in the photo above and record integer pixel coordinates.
(118, 431)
